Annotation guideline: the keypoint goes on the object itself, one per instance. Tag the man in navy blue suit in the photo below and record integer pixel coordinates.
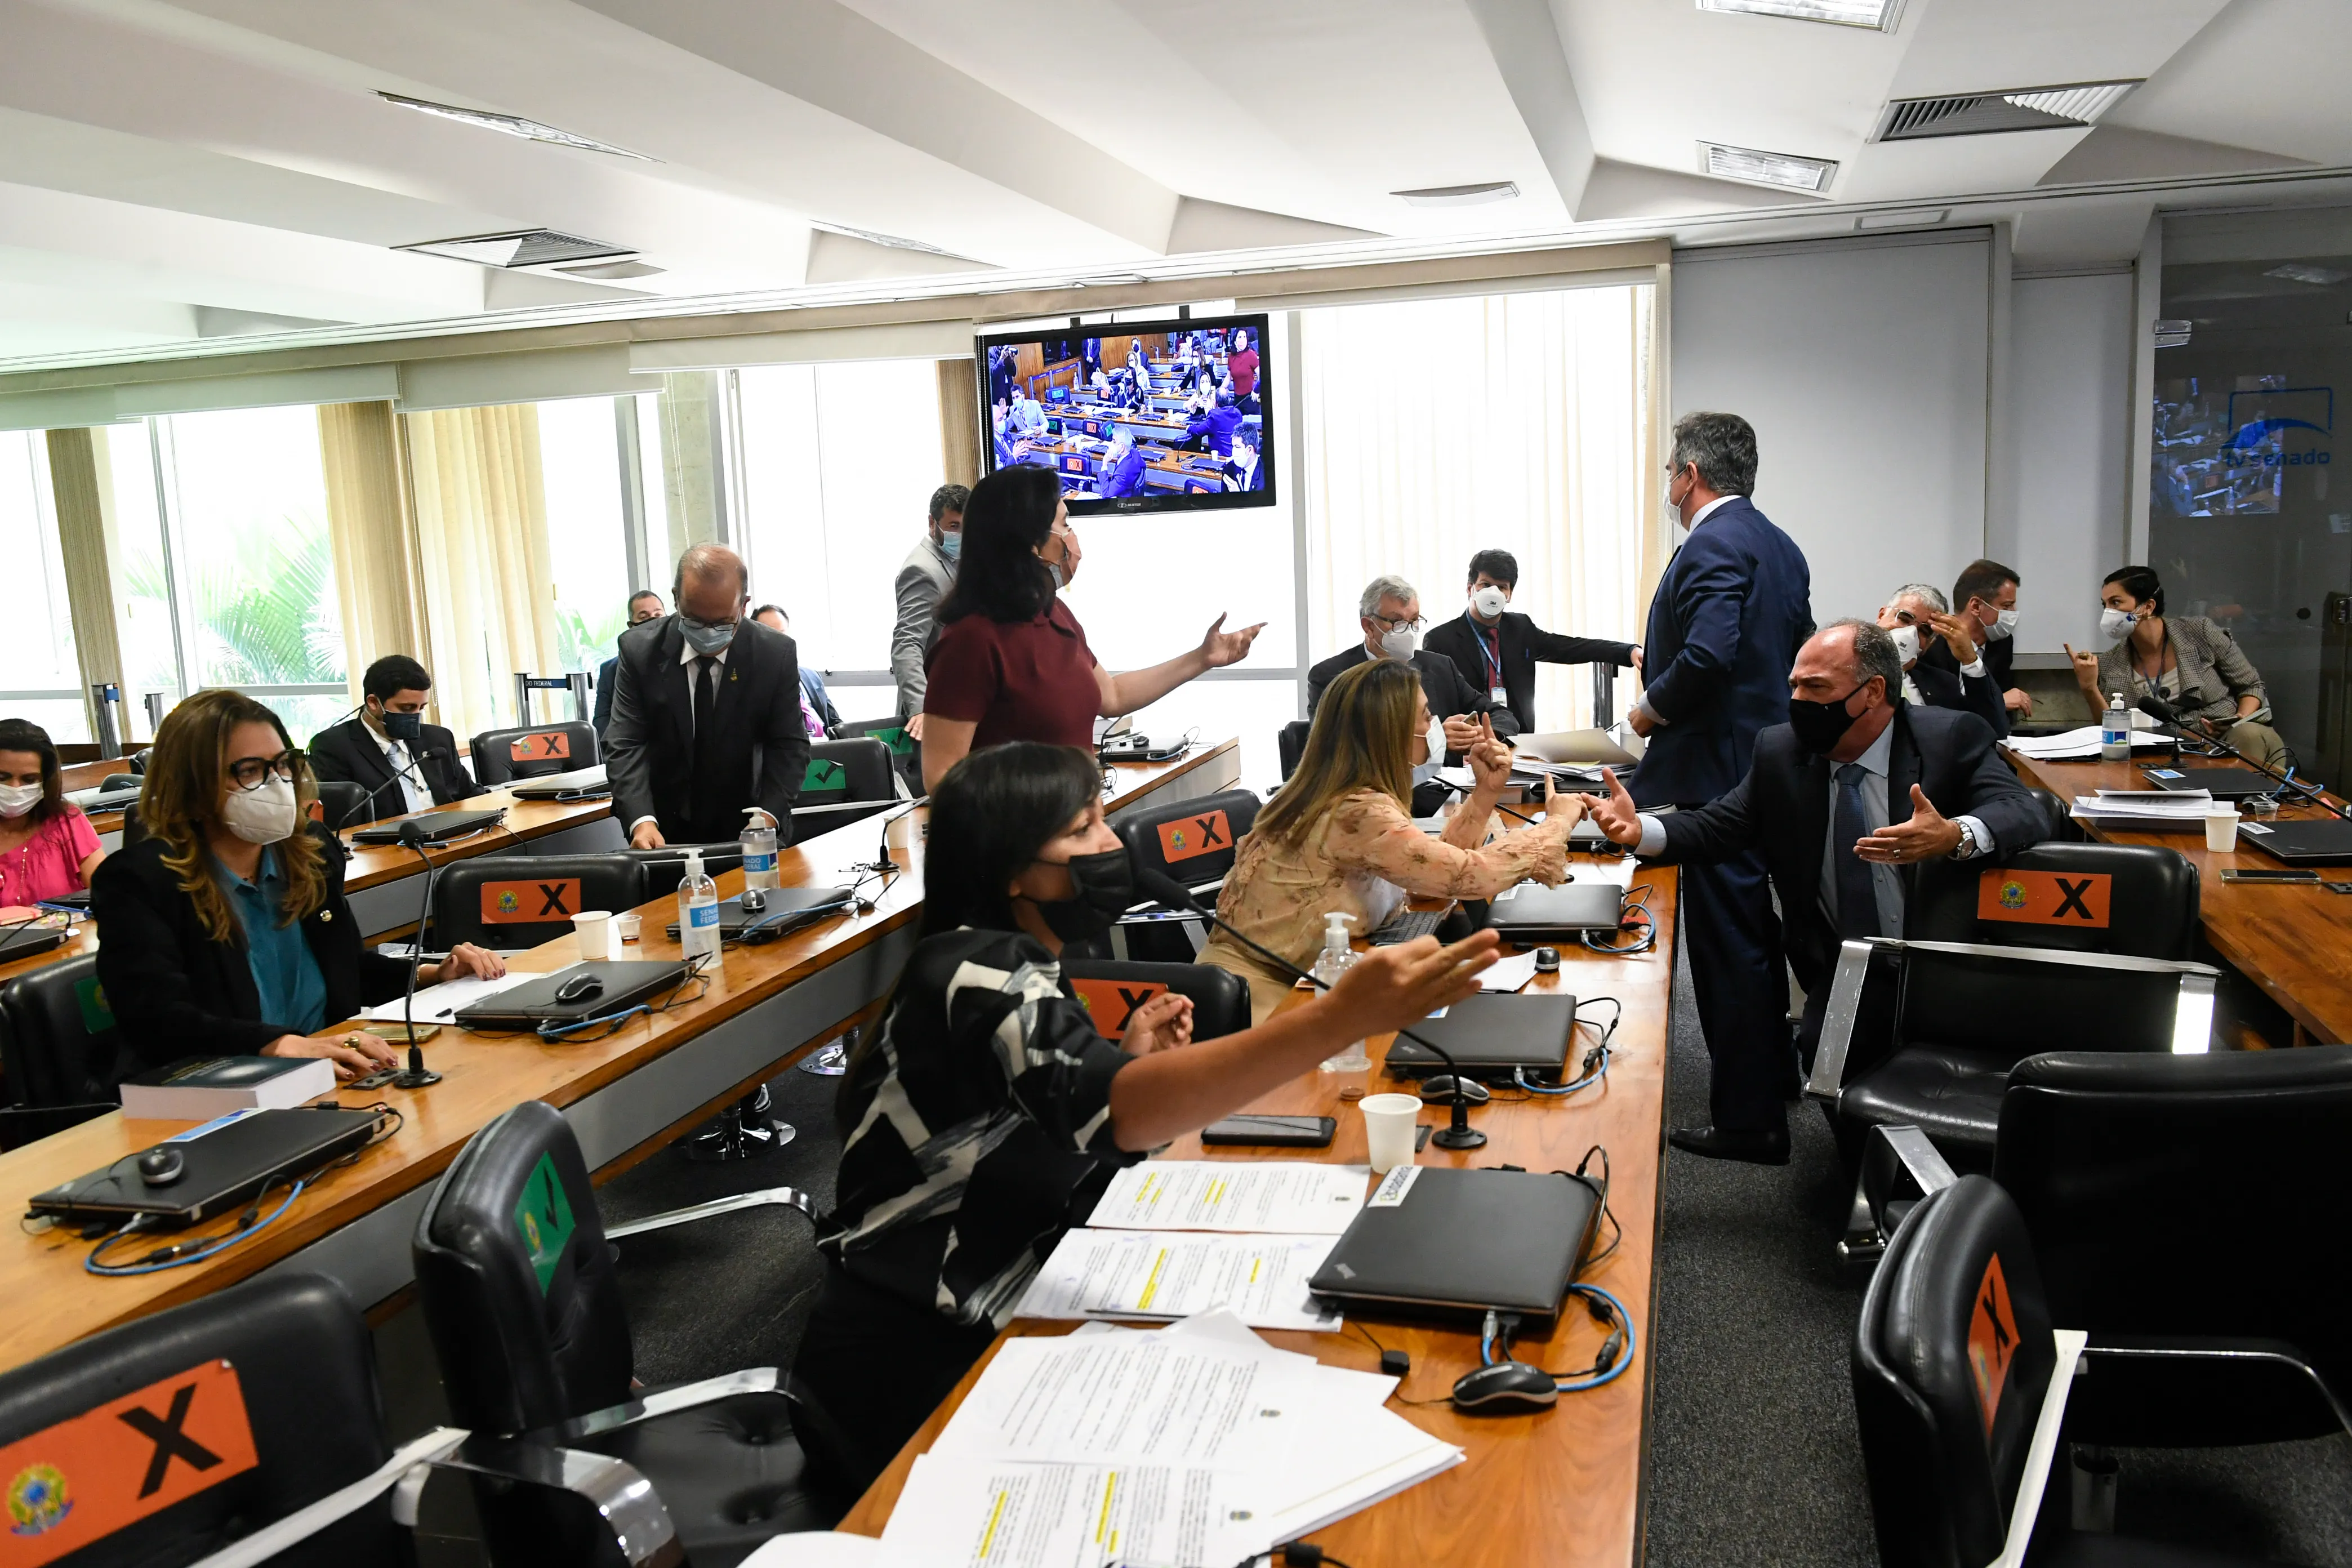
(1734, 607)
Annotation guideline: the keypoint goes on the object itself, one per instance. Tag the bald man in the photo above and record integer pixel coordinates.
(705, 714)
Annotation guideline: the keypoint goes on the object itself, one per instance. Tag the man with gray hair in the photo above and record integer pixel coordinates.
(1917, 616)
(1389, 611)
(1857, 802)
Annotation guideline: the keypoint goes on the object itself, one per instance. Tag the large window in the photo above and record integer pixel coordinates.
(44, 677)
(587, 534)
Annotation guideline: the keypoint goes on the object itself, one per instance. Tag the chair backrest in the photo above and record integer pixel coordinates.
(112, 782)
(2026, 1005)
(1951, 1360)
(501, 756)
(890, 729)
(343, 803)
(133, 830)
(517, 1281)
(840, 771)
(514, 901)
(1192, 840)
(181, 1432)
(2128, 1169)
(1291, 744)
(1112, 991)
(58, 1038)
(2138, 899)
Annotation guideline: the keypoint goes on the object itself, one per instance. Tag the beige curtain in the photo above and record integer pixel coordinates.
(74, 480)
(481, 532)
(378, 579)
(1524, 422)
(958, 422)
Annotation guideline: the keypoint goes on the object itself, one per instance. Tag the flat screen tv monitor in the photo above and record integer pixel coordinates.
(1136, 417)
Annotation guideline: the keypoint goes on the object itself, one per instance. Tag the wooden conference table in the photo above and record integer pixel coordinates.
(2294, 940)
(1563, 1488)
(626, 1096)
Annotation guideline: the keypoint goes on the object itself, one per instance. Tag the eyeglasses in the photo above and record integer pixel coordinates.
(1416, 623)
(252, 772)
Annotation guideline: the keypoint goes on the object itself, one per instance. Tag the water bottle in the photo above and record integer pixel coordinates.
(2115, 731)
(698, 911)
(1351, 1066)
(759, 840)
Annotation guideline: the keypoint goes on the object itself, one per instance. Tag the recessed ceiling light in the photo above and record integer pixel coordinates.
(891, 240)
(2171, 332)
(2303, 272)
(1459, 195)
(1916, 218)
(525, 247)
(1878, 14)
(1752, 167)
(511, 125)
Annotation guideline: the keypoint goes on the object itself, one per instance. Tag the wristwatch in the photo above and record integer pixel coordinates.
(1967, 848)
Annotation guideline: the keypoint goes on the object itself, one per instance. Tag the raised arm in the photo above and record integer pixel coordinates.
(1370, 832)
(1130, 690)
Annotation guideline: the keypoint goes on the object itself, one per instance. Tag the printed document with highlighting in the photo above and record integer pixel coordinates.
(1172, 1274)
(1294, 1196)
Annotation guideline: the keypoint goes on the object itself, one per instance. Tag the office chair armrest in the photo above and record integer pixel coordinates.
(1838, 1019)
(405, 1470)
(787, 1198)
(1913, 1155)
(2044, 1450)
(631, 1508)
(2198, 1353)
(657, 1403)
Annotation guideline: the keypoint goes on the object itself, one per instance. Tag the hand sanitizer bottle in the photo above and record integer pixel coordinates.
(758, 842)
(2115, 731)
(1353, 1067)
(698, 911)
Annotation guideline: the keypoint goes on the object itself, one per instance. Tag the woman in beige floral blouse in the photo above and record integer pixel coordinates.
(1341, 837)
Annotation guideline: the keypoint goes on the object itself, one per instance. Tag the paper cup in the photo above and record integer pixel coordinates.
(2221, 829)
(593, 928)
(625, 927)
(1389, 1121)
(901, 834)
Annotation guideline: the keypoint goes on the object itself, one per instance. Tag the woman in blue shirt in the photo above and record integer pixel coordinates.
(225, 931)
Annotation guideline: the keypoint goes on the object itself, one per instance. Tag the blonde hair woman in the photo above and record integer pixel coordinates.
(1340, 835)
(224, 932)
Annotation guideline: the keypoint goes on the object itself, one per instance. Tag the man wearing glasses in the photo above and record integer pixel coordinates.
(1389, 610)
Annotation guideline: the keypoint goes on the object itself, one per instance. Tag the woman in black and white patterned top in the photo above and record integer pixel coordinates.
(985, 1114)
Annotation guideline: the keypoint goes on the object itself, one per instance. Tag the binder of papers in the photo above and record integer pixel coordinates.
(2145, 810)
(1153, 1274)
(2084, 742)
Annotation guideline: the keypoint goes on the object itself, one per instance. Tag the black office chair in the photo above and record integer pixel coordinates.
(133, 830)
(906, 751)
(1954, 1359)
(1112, 991)
(1193, 841)
(1291, 744)
(2135, 898)
(846, 781)
(501, 756)
(57, 1050)
(517, 1276)
(516, 901)
(2064, 828)
(343, 803)
(113, 782)
(2130, 1170)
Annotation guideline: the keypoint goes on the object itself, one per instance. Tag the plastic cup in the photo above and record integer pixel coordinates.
(625, 927)
(2221, 829)
(1389, 1121)
(593, 928)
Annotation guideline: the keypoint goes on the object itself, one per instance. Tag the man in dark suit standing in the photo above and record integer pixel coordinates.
(644, 604)
(388, 749)
(1389, 610)
(1855, 804)
(1496, 648)
(1733, 607)
(705, 714)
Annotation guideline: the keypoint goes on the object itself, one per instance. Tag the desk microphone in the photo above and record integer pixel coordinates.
(416, 1075)
(2164, 712)
(882, 865)
(1167, 890)
(368, 801)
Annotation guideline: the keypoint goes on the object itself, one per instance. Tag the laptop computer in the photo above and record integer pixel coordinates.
(2321, 841)
(1532, 914)
(25, 940)
(789, 909)
(227, 1162)
(1437, 1241)
(580, 783)
(1494, 1035)
(621, 985)
(440, 826)
(2221, 784)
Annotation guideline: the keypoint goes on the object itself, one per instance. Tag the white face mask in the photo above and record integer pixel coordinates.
(2116, 624)
(2004, 626)
(1672, 510)
(1906, 643)
(265, 814)
(1489, 601)
(1399, 643)
(15, 799)
(1433, 749)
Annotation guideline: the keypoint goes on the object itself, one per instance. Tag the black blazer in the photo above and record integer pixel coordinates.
(2000, 658)
(177, 993)
(763, 748)
(1525, 644)
(1448, 693)
(349, 752)
(1782, 808)
(1943, 685)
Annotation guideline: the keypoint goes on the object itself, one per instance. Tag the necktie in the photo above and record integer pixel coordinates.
(706, 698)
(1857, 910)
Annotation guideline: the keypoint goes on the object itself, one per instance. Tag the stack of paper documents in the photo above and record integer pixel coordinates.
(1198, 1446)
(2084, 742)
(2145, 810)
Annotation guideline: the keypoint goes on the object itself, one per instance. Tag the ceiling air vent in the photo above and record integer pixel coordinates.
(2019, 109)
(523, 248)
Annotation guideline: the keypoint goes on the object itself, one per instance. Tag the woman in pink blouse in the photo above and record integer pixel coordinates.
(47, 846)
(1339, 836)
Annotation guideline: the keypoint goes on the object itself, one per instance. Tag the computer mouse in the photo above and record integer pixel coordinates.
(1438, 1089)
(1506, 1388)
(1547, 960)
(579, 988)
(754, 899)
(163, 1165)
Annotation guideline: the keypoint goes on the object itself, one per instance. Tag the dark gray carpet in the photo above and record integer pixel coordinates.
(1753, 1457)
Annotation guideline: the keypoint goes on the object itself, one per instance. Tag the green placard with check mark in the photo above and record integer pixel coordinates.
(823, 774)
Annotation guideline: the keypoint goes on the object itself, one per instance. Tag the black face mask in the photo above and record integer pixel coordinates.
(407, 727)
(1104, 885)
(1820, 725)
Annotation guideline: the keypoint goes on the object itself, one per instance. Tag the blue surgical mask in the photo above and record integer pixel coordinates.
(706, 638)
(952, 545)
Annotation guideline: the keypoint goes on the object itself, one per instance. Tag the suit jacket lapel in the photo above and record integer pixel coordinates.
(672, 679)
(1813, 823)
(1902, 772)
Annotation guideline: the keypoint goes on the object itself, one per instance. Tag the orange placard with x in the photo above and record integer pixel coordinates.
(1190, 837)
(1112, 1004)
(530, 903)
(1992, 1341)
(2045, 898)
(540, 745)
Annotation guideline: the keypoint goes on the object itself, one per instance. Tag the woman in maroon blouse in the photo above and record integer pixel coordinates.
(1009, 661)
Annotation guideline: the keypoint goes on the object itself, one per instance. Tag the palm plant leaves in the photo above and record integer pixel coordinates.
(266, 611)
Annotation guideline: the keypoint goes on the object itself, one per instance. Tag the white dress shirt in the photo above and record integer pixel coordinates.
(414, 790)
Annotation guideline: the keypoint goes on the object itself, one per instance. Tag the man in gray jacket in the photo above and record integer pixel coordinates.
(923, 579)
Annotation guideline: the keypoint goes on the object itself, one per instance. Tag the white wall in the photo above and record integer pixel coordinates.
(1862, 364)
(2069, 405)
